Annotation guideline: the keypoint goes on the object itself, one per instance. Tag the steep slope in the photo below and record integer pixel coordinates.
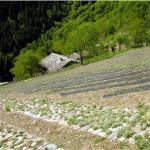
(22, 23)
(123, 74)
(110, 24)
(72, 105)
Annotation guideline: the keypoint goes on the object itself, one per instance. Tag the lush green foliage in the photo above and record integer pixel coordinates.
(82, 39)
(95, 28)
(23, 22)
(27, 65)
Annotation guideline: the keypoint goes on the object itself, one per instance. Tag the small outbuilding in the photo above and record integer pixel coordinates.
(55, 62)
(74, 56)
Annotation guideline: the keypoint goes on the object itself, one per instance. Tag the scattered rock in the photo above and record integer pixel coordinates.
(50, 147)
(121, 139)
(131, 141)
(137, 128)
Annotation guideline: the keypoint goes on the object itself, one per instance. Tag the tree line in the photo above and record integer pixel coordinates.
(23, 22)
(89, 28)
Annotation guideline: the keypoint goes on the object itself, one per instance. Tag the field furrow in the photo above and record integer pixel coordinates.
(124, 125)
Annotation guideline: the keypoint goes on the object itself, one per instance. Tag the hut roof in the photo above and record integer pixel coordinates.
(74, 56)
(55, 62)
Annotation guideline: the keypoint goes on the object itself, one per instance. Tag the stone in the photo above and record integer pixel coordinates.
(131, 141)
(121, 139)
(50, 147)
(19, 141)
(113, 136)
(85, 128)
(127, 110)
(148, 130)
(33, 144)
(8, 136)
(19, 146)
(132, 118)
(10, 143)
(90, 130)
(114, 129)
(115, 110)
(141, 133)
(137, 128)
(24, 148)
(102, 134)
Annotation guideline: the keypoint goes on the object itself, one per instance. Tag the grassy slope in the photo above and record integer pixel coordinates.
(136, 57)
(110, 20)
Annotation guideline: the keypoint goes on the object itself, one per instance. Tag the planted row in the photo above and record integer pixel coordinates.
(124, 125)
(16, 139)
(88, 80)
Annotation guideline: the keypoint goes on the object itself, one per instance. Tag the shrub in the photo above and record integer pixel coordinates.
(8, 108)
(125, 132)
(27, 65)
(143, 109)
(83, 38)
(72, 121)
(142, 142)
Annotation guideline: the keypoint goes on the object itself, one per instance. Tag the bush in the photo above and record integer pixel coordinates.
(83, 38)
(72, 121)
(125, 132)
(27, 65)
(142, 142)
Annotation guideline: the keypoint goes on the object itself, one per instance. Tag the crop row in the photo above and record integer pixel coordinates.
(45, 81)
(67, 84)
(99, 86)
(129, 90)
(124, 125)
(104, 82)
(16, 139)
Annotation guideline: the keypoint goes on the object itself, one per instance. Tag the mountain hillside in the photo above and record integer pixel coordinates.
(22, 23)
(106, 105)
(89, 28)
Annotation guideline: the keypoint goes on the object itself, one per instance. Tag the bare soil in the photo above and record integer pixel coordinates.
(63, 136)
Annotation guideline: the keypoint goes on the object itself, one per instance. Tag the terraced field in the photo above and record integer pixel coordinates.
(85, 79)
(78, 84)
(88, 107)
(16, 139)
(131, 126)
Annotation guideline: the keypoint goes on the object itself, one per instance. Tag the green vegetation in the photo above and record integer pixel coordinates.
(83, 38)
(23, 22)
(103, 56)
(125, 132)
(106, 122)
(142, 143)
(96, 30)
(72, 121)
(27, 65)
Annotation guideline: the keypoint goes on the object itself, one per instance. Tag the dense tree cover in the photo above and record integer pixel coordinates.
(23, 22)
(28, 65)
(88, 24)
(83, 38)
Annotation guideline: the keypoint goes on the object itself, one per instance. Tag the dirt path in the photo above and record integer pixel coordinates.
(63, 136)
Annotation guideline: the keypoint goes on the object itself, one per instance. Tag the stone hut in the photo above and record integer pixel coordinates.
(55, 62)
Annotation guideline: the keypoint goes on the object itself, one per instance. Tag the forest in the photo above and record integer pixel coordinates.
(31, 30)
(23, 22)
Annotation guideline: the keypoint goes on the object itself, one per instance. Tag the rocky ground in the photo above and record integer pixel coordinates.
(124, 125)
(14, 139)
(104, 105)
